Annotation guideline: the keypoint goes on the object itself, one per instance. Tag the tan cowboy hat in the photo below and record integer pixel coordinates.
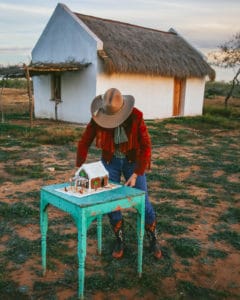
(111, 109)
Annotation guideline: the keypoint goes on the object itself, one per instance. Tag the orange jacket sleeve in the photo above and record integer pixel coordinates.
(143, 159)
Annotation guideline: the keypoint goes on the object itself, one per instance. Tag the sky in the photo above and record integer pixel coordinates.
(205, 24)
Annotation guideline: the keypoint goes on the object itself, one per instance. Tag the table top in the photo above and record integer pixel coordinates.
(118, 193)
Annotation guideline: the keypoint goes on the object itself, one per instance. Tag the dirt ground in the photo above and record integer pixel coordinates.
(218, 274)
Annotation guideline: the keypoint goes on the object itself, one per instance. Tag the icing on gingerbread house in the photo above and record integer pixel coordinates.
(91, 176)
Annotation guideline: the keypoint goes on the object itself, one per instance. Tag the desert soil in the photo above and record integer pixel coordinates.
(216, 274)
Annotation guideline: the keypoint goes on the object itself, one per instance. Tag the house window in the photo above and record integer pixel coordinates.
(56, 87)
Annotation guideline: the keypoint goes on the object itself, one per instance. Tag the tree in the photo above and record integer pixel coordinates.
(228, 56)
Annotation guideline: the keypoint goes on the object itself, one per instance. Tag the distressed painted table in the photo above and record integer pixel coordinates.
(86, 209)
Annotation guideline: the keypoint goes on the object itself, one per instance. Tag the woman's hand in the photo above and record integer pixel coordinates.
(132, 180)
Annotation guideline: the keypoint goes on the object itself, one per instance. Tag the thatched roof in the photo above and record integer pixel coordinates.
(129, 48)
(46, 68)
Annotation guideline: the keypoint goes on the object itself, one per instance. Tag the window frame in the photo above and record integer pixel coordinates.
(56, 87)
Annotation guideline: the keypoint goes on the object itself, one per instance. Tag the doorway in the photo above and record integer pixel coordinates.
(178, 96)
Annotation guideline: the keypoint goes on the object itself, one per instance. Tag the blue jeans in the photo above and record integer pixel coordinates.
(121, 166)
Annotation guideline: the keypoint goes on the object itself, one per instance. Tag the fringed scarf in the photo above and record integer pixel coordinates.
(126, 136)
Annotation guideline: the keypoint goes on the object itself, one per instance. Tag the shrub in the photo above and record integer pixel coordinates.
(14, 83)
(213, 89)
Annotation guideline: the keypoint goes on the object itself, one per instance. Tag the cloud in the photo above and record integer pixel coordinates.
(37, 10)
(14, 49)
(205, 24)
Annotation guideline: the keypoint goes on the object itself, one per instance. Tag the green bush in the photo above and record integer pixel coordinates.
(14, 83)
(213, 89)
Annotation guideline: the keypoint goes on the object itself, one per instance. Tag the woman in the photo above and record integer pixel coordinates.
(123, 137)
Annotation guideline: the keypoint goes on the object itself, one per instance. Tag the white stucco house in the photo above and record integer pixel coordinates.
(78, 57)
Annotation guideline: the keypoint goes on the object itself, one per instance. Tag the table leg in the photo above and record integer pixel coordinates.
(99, 234)
(82, 244)
(44, 228)
(140, 232)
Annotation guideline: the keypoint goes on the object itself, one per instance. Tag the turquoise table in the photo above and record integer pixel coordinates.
(86, 209)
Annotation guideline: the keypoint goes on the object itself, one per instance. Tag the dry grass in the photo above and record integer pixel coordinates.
(193, 185)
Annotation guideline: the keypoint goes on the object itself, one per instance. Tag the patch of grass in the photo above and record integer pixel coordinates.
(170, 217)
(57, 247)
(13, 130)
(185, 262)
(169, 195)
(221, 226)
(26, 171)
(47, 290)
(95, 152)
(160, 135)
(185, 219)
(232, 215)
(35, 195)
(6, 155)
(10, 290)
(52, 135)
(160, 162)
(191, 291)
(20, 249)
(229, 236)
(21, 115)
(17, 212)
(216, 253)
(186, 136)
(180, 161)
(165, 180)
(185, 247)
(168, 209)
(232, 167)
(205, 122)
(210, 201)
(57, 136)
(168, 226)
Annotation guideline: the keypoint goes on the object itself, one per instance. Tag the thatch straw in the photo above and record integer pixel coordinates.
(40, 68)
(46, 68)
(133, 49)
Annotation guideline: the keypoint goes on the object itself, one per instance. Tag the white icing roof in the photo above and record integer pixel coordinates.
(95, 169)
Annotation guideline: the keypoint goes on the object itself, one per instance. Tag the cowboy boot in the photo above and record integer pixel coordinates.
(153, 242)
(118, 248)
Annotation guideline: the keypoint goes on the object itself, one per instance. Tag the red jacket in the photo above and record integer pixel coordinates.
(137, 148)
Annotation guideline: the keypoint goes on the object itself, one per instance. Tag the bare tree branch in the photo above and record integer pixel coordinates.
(228, 56)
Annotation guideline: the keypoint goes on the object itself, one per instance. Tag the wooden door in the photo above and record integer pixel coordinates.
(179, 85)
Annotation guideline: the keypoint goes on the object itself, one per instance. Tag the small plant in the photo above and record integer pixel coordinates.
(232, 215)
(27, 171)
(185, 247)
(191, 291)
(216, 253)
(229, 236)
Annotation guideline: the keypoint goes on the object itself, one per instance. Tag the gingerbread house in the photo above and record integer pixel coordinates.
(91, 176)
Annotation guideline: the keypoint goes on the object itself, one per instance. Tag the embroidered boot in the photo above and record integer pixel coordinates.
(153, 242)
(118, 248)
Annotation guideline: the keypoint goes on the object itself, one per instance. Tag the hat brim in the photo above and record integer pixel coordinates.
(111, 121)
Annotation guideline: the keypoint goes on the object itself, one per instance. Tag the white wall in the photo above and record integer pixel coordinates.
(77, 91)
(43, 107)
(65, 38)
(194, 96)
(151, 93)
(154, 94)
